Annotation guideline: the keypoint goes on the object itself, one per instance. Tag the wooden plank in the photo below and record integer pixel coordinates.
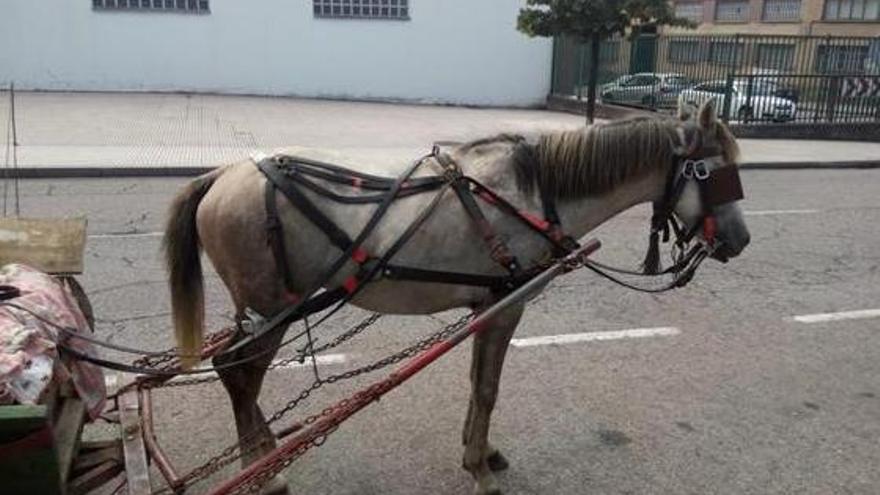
(94, 477)
(18, 418)
(92, 454)
(53, 245)
(137, 470)
(68, 431)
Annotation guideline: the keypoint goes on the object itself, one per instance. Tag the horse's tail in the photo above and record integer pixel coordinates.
(182, 257)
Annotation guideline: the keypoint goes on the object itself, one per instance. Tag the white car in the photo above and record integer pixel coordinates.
(755, 103)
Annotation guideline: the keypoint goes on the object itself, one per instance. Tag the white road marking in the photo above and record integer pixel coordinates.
(779, 212)
(322, 360)
(572, 338)
(125, 236)
(843, 315)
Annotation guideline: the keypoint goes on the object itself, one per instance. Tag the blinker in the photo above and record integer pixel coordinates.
(722, 186)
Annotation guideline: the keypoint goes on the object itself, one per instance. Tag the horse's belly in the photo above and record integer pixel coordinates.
(401, 297)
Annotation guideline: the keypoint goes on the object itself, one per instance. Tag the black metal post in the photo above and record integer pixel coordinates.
(594, 77)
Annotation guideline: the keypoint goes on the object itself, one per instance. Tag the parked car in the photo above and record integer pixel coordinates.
(645, 88)
(774, 81)
(747, 103)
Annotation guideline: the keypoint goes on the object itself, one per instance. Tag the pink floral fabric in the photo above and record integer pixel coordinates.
(29, 360)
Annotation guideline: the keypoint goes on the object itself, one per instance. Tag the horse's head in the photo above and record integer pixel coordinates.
(708, 176)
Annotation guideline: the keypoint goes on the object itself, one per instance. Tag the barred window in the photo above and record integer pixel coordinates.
(726, 52)
(692, 11)
(782, 10)
(362, 9)
(182, 6)
(685, 52)
(732, 11)
(775, 56)
(852, 10)
(841, 59)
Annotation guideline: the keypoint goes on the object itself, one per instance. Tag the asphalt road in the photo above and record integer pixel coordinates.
(741, 399)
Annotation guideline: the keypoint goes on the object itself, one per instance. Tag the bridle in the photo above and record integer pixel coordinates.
(718, 186)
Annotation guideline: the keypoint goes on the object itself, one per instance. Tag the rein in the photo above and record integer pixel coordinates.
(717, 187)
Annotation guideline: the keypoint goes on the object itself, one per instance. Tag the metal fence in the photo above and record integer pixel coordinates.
(801, 78)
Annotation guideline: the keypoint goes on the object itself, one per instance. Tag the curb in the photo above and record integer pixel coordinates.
(844, 165)
(122, 172)
(101, 172)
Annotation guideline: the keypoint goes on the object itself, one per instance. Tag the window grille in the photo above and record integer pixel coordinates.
(726, 52)
(775, 56)
(692, 11)
(732, 11)
(685, 52)
(782, 10)
(852, 10)
(181, 6)
(841, 59)
(362, 9)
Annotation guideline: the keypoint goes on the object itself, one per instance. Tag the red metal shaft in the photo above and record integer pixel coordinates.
(374, 392)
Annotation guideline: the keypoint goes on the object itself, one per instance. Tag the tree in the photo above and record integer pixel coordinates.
(593, 21)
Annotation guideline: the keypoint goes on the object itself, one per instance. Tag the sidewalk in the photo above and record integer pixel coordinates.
(115, 131)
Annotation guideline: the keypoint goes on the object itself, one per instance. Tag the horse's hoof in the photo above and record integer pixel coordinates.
(278, 486)
(487, 487)
(491, 491)
(497, 461)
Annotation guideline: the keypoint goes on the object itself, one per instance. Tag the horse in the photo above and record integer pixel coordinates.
(592, 174)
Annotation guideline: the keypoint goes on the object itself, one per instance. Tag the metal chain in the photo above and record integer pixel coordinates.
(341, 338)
(299, 357)
(234, 452)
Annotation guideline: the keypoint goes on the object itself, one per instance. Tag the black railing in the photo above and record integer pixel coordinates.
(820, 78)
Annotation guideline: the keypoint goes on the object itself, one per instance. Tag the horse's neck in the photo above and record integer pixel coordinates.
(580, 216)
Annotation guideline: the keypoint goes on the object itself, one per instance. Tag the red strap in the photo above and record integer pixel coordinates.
(360, 255)
(710, 226)
(356, 182)
(536, 222)
(485, 196)
(290, 297)
(351, 284)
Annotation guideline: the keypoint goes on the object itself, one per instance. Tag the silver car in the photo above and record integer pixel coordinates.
(646, 88)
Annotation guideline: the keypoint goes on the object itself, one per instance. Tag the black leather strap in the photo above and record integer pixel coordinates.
(495, 282)
(336, 235)
(275, 236)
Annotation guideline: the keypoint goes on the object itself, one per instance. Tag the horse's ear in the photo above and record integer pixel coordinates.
(686, 111)
(708, 117)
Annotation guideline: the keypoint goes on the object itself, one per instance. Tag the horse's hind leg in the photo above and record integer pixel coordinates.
(490, 347)
(243, 383)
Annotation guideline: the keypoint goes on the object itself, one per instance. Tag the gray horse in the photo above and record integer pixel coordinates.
(593, 174)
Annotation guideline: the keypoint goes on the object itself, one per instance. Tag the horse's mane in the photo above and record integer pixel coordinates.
(595, 160)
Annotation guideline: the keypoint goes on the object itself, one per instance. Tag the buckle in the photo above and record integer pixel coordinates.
(251, 322)
(695, 169)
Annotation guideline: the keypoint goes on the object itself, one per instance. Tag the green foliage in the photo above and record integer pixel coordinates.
(585, 18)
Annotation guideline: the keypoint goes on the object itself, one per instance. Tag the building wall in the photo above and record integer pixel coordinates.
(451, 51)
(811, 22)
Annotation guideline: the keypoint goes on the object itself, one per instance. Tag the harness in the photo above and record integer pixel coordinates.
(291, 176)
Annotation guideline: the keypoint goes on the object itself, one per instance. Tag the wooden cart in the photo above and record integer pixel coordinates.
(41, 447)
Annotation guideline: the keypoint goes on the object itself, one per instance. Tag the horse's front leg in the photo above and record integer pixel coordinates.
(243, 383)
(490, 347)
